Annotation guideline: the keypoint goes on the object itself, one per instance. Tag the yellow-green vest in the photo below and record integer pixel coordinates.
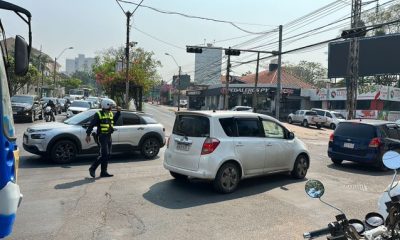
(106, 121)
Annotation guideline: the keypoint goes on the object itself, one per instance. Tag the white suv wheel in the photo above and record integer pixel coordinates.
(227, 178)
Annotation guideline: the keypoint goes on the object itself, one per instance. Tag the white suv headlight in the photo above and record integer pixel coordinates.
(38, 136)
(30, 130)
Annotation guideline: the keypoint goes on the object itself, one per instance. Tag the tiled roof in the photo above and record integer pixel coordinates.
(266, 77)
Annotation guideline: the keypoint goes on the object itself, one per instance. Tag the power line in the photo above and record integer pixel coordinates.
(137, 6)
(157, 39)
(195, 17)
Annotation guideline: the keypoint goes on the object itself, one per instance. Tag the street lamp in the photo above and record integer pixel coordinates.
(55, 65)
(179, 80)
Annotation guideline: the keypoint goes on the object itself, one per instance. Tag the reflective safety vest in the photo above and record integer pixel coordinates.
(106, 122)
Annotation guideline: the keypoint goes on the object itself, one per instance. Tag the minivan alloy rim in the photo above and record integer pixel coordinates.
(229, 178)
(302, 166)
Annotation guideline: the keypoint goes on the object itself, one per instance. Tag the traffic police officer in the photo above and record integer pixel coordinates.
(104, 121)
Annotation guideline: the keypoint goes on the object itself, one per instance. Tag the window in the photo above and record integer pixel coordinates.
(392, 131)
(191, 126)
(249, 128)
(355, 130)
(229, 126)
(273, 130)
(297, 112)
(148, 119)
(8, 122)
(310, 113)
(130, 119)
(301, 113)
(329, 115)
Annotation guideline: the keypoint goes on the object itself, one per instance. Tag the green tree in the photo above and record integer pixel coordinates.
(17, 82)
(142, 71)
(70, 83)
(310, 72)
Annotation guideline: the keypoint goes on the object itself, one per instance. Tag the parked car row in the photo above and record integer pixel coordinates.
(316, 117)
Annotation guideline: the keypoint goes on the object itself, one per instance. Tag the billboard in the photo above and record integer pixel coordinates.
(378, 55)
(184, 83)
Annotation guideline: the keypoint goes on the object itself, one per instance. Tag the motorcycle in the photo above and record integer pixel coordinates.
(49, 114)
(384, 225)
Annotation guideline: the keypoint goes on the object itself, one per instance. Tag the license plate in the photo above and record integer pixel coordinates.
(15, 113)
(348, 145)
(182, 147)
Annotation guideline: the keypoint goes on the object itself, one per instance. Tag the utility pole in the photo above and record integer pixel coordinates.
(279, 87)
(39, 63)
(179, 88)
(228, 69)
(351, 85)
(255, 84)
(128, 19)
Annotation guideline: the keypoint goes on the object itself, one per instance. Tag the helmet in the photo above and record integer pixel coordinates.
(107, 104)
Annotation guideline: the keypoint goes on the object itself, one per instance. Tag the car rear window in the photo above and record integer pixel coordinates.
(355, 130)
(311, 114)
(191, 126)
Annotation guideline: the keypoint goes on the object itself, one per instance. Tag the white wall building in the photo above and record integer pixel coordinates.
(208, 66)
(81, 64)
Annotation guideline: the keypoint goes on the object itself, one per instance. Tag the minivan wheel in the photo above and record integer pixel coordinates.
(319, 126)
(227, 179)
(178, 176)
(63, 151)
(150, 147)
(290, 121)
(336, 161)
(300, 167)
(305, 123)
(381, 166)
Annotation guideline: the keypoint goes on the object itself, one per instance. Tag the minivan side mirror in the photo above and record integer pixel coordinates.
(290, 135)
(21, 56)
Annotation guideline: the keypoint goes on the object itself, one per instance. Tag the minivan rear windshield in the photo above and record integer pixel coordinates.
(191, 126)
(355, 130)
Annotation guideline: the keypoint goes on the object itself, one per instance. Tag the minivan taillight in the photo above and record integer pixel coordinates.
(375, 142)
(209, 146)
(331, 138)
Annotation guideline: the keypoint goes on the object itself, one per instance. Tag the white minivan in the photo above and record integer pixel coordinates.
(227, 146)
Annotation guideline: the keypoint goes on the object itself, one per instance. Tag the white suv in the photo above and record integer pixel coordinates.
(63, 141)
(228, 146)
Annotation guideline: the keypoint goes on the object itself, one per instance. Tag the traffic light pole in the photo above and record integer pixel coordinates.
(226, 96)
(279, 86)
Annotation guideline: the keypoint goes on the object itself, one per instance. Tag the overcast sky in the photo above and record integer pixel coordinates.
(94, 25)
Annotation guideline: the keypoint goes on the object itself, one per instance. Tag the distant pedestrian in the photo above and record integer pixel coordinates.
(104, 121)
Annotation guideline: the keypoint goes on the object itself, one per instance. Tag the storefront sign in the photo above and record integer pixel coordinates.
(193, 93)
(376, 92)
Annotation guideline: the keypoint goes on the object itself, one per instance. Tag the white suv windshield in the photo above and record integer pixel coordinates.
(8, 121)
(80, 104)
(79, 118)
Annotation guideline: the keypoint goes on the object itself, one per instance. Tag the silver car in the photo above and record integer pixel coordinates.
(63, 141)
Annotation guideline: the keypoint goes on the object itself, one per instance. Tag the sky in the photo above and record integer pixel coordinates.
(91, 26)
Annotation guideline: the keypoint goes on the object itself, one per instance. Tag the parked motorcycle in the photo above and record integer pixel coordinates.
(375, 226)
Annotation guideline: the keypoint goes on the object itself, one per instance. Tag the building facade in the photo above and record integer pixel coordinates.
(79, 64)
(208, 66)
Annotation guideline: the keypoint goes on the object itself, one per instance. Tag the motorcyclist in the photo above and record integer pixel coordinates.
(53, 109)
(104, 121)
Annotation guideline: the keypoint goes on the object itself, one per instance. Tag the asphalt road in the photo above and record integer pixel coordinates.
(142, 201)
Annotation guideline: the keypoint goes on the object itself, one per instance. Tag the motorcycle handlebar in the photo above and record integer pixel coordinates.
(316, 233)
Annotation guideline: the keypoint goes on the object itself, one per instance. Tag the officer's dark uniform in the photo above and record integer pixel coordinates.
(105, 127)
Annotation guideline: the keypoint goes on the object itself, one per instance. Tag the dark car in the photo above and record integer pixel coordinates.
(363, 141)
(26, 107)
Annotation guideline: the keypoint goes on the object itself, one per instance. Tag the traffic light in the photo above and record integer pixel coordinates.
(194, 50)
(355, 32)
(232, 52)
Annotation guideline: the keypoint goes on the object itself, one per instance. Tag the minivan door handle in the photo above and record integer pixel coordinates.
(140, 128)
(269, 144)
